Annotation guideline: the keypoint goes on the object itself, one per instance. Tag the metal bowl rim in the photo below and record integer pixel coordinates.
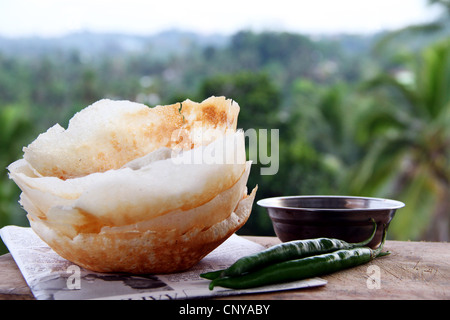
(390, 204)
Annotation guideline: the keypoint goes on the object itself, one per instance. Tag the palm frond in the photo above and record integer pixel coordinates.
(424, 28)
(387, 81)
(412, 221)
(433, 78)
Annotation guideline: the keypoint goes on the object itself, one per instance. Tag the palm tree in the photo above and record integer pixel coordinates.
(408, 139)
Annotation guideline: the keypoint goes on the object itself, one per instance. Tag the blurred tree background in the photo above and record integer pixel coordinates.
(357, 115)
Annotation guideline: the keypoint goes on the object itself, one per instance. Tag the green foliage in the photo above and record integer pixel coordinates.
(14, 129)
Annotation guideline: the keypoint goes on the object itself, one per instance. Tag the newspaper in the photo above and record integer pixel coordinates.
(50, 277)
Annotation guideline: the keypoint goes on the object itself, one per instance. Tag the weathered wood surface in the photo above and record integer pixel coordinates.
(413, 270)
(12, 284)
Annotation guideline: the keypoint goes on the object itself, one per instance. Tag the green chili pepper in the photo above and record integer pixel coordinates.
(286, 251)
(301, 268)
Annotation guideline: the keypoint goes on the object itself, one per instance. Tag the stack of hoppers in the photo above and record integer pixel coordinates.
(129, 188)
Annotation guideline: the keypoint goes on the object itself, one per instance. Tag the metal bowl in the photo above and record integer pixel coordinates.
(341, 217)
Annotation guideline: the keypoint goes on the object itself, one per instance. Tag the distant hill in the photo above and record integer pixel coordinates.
(91, 44)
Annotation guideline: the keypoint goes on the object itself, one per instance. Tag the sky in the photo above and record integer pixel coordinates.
(49, 18)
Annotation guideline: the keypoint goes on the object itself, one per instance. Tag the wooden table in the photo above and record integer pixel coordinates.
(413, 270)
